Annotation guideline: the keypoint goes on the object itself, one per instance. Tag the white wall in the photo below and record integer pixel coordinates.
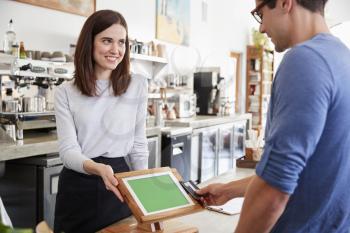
(338, 19)
(139, 14)
(342, 31)
(40, 28)
(226, 29)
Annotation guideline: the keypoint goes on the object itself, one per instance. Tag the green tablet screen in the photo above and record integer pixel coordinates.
(156, 193)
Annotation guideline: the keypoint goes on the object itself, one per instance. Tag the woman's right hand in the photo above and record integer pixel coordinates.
(106, 173)
(111, 183)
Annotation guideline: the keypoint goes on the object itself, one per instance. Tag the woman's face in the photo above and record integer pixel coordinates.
(109, 48)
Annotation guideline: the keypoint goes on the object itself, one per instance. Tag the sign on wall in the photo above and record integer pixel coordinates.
(173, 21)
(79, 7)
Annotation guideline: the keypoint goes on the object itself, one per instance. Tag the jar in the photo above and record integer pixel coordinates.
(15, 50)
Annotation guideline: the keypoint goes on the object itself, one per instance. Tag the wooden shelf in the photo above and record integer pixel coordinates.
(259, 64)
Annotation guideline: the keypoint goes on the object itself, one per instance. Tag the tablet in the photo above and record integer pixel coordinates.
(154, 195)
(157, 193)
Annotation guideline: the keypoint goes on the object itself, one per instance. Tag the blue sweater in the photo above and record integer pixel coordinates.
(307, 151)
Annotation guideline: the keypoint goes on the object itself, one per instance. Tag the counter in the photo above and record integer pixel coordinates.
(38, 143)
(46, 143)
(206, 121)
(208, 221)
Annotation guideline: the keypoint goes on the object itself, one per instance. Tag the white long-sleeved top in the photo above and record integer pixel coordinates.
(104, 125)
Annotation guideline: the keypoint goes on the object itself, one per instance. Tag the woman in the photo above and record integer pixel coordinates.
(101, 127)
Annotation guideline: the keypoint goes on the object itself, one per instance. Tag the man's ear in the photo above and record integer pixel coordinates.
(285, 5)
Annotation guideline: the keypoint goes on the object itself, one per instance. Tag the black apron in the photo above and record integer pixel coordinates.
(83, 203)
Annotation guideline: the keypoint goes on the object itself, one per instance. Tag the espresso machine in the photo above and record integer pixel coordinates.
(27, 93)
(205, 86)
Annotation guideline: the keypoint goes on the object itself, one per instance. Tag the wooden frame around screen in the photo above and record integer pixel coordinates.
(79, 7)
(158, 217)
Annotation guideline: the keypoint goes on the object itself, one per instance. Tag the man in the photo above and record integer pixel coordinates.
(302, 183)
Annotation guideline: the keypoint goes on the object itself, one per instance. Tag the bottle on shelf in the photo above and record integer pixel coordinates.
(10, 38)
(22, 51)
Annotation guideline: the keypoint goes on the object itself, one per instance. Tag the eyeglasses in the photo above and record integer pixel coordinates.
(256, 12)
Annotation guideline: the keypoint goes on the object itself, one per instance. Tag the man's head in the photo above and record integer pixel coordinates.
(278, 18)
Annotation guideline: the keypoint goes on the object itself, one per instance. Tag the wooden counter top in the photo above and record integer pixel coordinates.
(39, 143)
(207, 221)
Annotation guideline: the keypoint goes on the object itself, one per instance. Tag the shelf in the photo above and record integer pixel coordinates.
(267, 71)
(6, 58)
(138, 64)
(157, 95)
(5, 72)
(142, 57)
(259, 82)
(48, 113)
(254, 72)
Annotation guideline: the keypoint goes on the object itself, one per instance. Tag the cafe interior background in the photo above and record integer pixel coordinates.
(213, 42)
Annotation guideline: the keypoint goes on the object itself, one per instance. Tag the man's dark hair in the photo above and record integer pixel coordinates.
(311, 5)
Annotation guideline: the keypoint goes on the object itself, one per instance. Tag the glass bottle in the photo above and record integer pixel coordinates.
(22, 51)
(15, 50)
(10, 38)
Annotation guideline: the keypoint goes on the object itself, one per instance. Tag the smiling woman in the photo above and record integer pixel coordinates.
(109, 50)
(98, 40)
(100, 120)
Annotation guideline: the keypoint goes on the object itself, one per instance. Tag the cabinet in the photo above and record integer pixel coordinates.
(176, 153)
(259, 83)
(154, 151)
(225, 149)
(215, 149)
(208, 138)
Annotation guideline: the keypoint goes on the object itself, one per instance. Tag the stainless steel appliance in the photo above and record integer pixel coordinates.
(28, 189)
(216, 148)
(154, 152)
(27, 93)
(176, 150)
(185, 104)
(205, 86)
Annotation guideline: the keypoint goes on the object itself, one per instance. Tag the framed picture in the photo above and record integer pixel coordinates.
(79, 7)
(173, 21)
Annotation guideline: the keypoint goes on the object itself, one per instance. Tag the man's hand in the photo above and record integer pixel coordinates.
(214, 194)
(219, 194)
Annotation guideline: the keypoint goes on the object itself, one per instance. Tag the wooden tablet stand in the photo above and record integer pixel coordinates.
(166, 227)
(158, 222)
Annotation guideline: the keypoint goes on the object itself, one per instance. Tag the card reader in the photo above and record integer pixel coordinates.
(190, 187)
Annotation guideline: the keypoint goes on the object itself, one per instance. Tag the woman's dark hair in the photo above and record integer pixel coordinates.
(311, 5)
(84, 76)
